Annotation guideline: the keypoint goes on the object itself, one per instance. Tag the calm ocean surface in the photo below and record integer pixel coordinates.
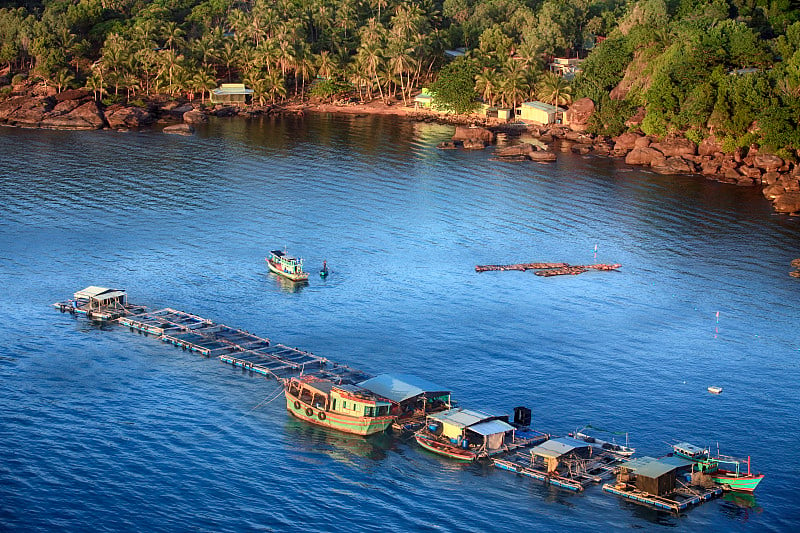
(105, 430)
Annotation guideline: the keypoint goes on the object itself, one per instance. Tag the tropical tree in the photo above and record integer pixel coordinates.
(203, 82)
(554, 89)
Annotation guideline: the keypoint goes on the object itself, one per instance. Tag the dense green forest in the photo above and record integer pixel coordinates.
(697, 67)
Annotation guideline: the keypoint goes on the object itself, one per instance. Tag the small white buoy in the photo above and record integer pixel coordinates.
(714, 389)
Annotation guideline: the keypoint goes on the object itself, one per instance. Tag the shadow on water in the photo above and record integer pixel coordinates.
(285, 285)
(339, 446)
(740, 506)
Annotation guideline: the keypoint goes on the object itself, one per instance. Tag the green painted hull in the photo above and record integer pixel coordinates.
(357, 425)
(744, 482)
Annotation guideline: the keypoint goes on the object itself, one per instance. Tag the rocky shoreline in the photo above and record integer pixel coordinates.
(779, 179)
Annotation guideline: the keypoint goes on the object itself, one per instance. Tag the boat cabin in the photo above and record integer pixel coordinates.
(565, 451)
(409, 393)
(348, 400)
(472, 429)
(650, 475)
(690, 451)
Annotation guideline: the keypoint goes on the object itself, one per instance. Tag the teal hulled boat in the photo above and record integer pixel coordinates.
(723, 469)
(284, 265)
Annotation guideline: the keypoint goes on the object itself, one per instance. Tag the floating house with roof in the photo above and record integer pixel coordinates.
(98, 303)
(656, 483)
(231, 94)
(465, 434)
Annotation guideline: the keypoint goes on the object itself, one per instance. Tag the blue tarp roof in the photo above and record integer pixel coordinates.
(401, 387)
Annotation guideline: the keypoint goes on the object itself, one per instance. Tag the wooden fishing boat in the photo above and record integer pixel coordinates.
(618, 449)
(465, 435)
(346, 408)
(723, 469)
(284, 265)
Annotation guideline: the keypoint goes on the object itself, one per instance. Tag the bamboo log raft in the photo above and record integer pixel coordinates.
(519, 266)
(548, 269)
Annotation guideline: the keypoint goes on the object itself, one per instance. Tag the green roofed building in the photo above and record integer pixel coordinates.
(231, 94)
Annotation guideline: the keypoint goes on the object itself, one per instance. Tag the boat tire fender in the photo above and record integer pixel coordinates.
(321, 415)
(296, 404)
(309, 411)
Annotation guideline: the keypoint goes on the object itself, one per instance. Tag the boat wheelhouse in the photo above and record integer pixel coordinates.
(285, 265)
(347, 408)
(465, 435)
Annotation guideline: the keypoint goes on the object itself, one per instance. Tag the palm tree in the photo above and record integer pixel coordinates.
(372, 59)
(326, 64)
(515, 85)
(487, 83)
(203, 82)
(63, 79)
(400, 63)
(276, 85)
(554, 90)
(304, 68)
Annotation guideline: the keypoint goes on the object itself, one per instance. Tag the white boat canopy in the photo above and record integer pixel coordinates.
(462, 418)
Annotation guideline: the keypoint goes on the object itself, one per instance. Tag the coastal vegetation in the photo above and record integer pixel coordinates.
(730, 68)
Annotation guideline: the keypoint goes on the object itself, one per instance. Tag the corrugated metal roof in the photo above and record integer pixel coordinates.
(99, 293)
(676, 461)
(648, 467)
(558, 447)
(232, 88)
(491, 427)
(401, 387)
(461, 417)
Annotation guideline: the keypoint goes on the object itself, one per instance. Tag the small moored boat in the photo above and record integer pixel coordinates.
(723, 469)
(465, 435)
(613, 447)
(284, 265)
(347, 408)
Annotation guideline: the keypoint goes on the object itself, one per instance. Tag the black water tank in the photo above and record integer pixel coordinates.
(522, 417)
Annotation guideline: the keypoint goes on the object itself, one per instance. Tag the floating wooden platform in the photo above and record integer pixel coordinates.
(675, 502)
(547, 269)
(592, 471)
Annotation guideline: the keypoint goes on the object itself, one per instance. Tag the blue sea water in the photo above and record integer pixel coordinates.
(105, 430)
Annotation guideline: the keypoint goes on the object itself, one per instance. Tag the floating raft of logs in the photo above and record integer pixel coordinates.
(548, 269)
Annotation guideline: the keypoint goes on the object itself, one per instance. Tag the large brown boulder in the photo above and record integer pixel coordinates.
(626, 141)
(179, 129)
(195, 116)
(521, 149)
(673, 165)
(643, 156)
(787, 203)
(709, 146)
(474, 144)
(26, 111)
(542, 156)
(768, 162)
(464, 133)
(675, 146)
(86, 116)
(578, 114)
(72, 94)
(128, 117)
